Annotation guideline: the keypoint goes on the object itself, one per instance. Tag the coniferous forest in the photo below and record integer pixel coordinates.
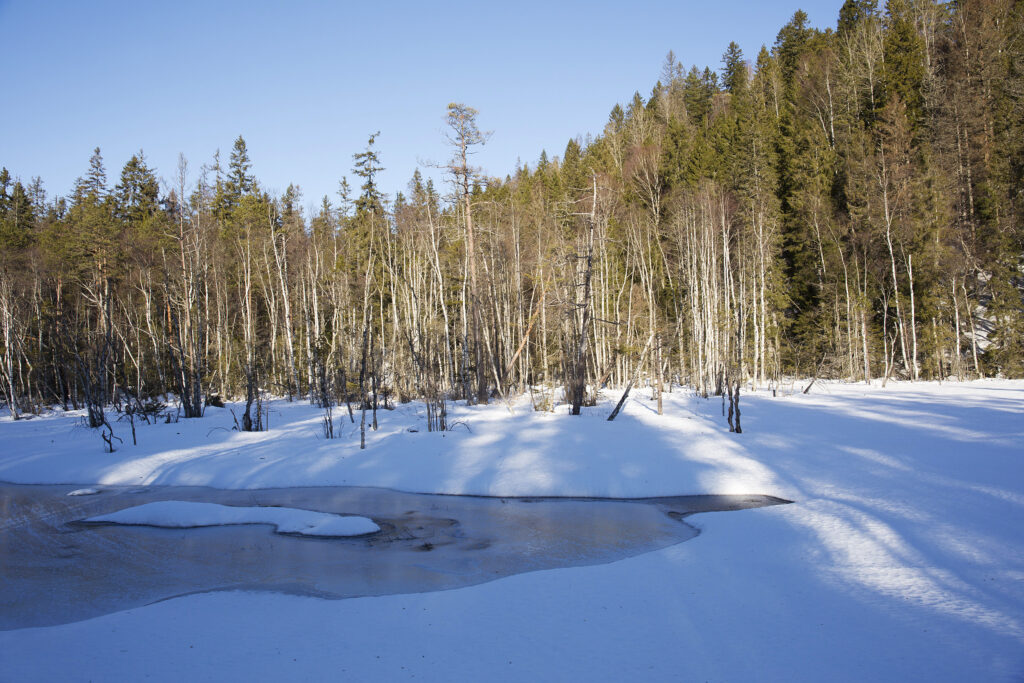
(847, 203)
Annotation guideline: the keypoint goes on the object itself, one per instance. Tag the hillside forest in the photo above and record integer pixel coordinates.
(847, 203)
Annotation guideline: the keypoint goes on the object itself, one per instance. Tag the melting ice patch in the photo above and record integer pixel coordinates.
(177, 514)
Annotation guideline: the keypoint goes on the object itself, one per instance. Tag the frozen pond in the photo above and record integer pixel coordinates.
(56, 570)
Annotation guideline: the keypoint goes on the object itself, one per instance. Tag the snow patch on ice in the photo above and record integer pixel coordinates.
(83, 492)
(177, 514)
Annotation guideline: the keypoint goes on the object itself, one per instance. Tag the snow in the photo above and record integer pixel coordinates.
(488, 452)
(177, 514)
(84, 492)
(902, 557)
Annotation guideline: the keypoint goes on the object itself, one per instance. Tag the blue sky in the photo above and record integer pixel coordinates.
(306, 82)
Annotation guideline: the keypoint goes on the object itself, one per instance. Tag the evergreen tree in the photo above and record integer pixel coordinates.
(17, 217)
(5, 182)
(698, 87)
(852, 13)
(572, 171)
(367, 166)
(734, 69)
(903, 60)
(790, 43)
(616, 118)
(239, 181)
(92, 186)
(94, 237)
(136, 196)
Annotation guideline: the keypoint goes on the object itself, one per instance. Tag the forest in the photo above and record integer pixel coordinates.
(848, 204)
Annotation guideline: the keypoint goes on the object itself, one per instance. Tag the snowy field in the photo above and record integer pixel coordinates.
(902, 557)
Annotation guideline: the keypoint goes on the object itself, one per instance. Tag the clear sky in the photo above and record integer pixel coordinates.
(306, 82)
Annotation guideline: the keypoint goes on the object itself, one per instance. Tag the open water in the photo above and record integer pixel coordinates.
(55, 570)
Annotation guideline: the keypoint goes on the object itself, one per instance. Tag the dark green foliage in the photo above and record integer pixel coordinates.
(790, 43)
(93, 244)
(853, 12)
(615, 118)
(240, 182)
(367, 166)
(94, 183)
(137, 194)
(903, 60)
(17, 216)
(699, 88)
(734, 69)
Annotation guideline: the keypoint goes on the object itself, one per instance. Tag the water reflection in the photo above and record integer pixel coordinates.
(56, 571)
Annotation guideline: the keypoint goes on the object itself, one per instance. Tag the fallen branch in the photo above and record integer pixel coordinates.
(817, 371)
(632, 380)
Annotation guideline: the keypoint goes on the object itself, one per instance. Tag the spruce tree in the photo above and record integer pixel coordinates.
(367, 166)
(239, 181)
(136, 196)
(903, 60)
(852, 13)
(17, 218)
(790, 43)
(734, 69)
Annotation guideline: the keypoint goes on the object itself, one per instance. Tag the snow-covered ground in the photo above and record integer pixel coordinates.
(901, 559)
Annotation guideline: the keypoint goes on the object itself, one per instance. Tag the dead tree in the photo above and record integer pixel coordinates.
(577, 380)
(363, 398)
(186, 334)
(465, 135)
(11, 343)
(736, 402)
(732, 391)
(251, 397)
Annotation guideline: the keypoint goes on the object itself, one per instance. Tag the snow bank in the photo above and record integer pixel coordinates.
(489, 451)
(177, 514)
